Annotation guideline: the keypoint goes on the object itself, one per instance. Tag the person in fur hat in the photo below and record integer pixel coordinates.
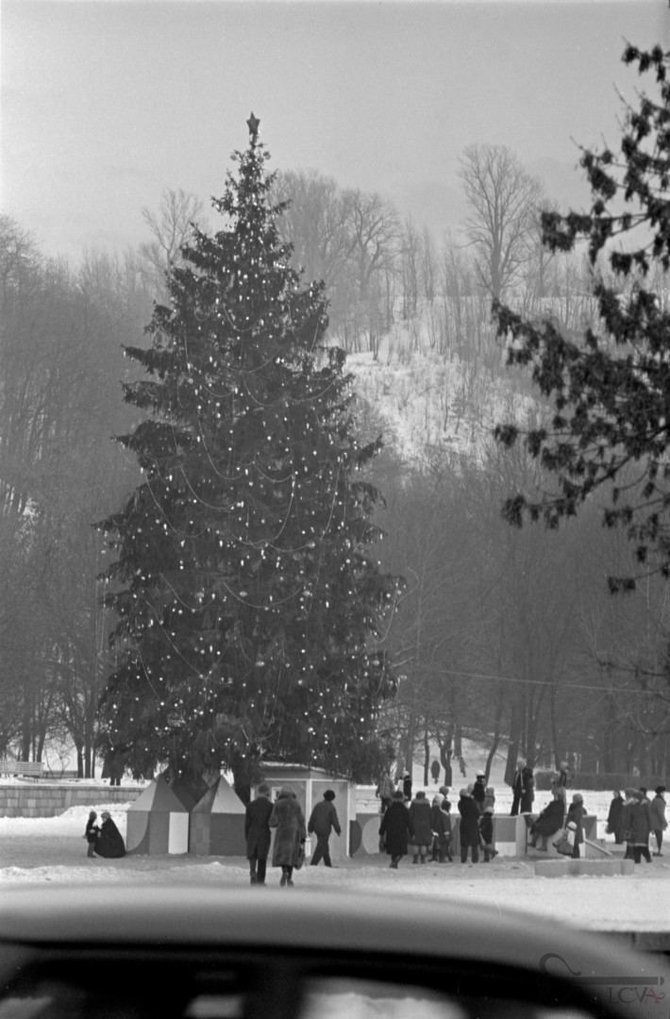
(288, 819)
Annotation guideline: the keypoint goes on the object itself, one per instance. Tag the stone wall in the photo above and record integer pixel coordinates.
(43, 798)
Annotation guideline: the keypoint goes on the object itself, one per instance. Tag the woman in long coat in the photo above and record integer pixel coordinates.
(615, 817)
(396, 828)
(658, 821)
(575, 817)
(469, 826)
(527, 790)
(549, 821)
(109, 842)
(291, 832)
(637, 825)
(422, 830)
(440, 824)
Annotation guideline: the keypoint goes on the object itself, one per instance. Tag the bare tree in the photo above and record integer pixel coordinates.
(171, 227)
(314, 222)
(410, 268)
(503, 199)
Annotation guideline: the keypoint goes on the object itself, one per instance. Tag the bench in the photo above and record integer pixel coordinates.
(27, 769)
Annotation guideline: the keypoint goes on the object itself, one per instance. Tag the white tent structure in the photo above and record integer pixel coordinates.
(158, 822)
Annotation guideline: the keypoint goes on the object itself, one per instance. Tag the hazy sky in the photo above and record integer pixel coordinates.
(106, 103)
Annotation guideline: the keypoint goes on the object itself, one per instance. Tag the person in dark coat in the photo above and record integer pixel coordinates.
(658, 820)
(563, 776)
(289, 846)
(257, 834)
(469, 826)
(486, 834)
(575, 816)
(517, 788)
(548, 821)
(527, 790)
(479, 791)
(637, 825)
(422, 831)
(322, 821)
(440, 823)
(407, 786)
(91, 832)
(109, 842)
(396, 828)
(615, 817)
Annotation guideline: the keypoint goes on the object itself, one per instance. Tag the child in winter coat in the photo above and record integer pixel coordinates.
(91, 833)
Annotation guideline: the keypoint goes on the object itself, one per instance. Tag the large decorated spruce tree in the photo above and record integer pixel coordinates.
(248, 605)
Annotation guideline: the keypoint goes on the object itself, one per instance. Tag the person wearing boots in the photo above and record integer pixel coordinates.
(322, 821)
(288, 821)
(396, 828)
(91, 832)
(257, 834)
(420, 817)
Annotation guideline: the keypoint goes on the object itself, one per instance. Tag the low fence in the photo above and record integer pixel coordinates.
(49, 799)
(603, 780)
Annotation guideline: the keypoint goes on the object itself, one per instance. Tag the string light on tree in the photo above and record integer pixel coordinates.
(248, 604)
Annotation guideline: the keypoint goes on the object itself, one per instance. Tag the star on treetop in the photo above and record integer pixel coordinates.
(252, 124)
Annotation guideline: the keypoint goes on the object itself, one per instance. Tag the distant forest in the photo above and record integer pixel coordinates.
(506, 636)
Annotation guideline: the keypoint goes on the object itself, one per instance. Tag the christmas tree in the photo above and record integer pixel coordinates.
(249, 608)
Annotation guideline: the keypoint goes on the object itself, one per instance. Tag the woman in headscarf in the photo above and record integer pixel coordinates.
(396, 828)
(109, 842)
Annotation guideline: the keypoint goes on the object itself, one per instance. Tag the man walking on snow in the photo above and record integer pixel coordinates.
(322, 820)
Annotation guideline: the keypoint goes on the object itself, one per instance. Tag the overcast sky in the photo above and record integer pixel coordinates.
(106, 103)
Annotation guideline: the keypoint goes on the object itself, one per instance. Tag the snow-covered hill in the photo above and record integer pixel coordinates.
(432, 404)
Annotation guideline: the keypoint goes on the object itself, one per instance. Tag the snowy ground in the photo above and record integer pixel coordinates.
(53, 850)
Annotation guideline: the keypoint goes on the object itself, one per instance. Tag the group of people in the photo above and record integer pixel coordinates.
(286, 817)
(417, 827)
(555, 820)
(633, 818)
(103, 839)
